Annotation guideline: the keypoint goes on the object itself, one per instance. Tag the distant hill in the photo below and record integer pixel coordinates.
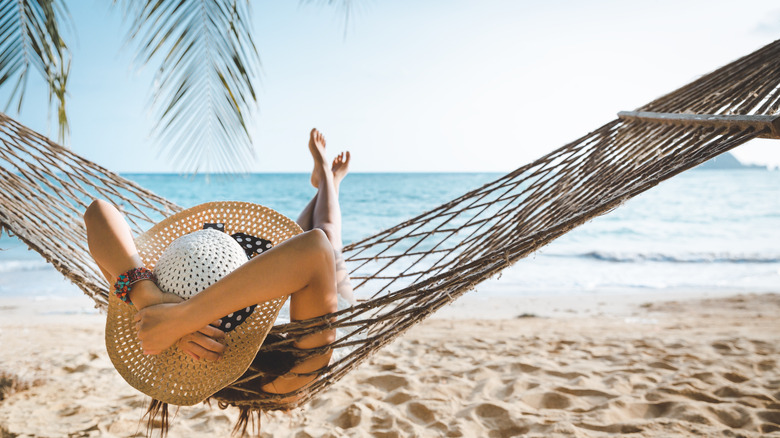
(726, 161)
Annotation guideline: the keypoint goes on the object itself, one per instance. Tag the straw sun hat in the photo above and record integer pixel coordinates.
(185, 267)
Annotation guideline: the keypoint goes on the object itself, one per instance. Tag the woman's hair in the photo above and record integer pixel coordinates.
(265, 368)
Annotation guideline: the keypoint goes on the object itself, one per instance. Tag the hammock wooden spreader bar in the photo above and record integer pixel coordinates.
(410, 270)
(768, 126)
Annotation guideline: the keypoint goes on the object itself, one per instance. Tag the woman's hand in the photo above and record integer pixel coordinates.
(156, 327)
(207, 343)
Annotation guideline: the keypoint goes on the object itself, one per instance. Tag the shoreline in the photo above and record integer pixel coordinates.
(476, 304)
(644, 366)
(501, 305)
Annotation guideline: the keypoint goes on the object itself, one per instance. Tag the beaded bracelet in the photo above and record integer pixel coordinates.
(125, 282)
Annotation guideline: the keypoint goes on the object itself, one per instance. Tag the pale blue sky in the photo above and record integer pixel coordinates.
(428, 85)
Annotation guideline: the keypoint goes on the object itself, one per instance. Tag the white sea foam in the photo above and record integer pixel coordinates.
(23, 265)
(695, 257)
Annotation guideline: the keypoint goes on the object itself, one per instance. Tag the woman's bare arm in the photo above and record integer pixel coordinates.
(111, 245)
(302, 267)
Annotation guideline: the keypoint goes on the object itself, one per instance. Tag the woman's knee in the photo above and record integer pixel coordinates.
(332, 233)
(321, 251)
(318, 241)
(98, 210)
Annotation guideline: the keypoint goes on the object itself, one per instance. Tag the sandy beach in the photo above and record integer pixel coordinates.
(637, 366)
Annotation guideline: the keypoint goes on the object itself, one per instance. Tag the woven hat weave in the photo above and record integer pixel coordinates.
(197, 260)
(185, 267)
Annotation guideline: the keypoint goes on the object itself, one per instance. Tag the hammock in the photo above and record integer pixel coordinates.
(414, 268)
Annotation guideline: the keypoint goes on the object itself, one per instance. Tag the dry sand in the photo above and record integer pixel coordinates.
(704, 367)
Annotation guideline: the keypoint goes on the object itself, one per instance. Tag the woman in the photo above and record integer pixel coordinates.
(303, 267)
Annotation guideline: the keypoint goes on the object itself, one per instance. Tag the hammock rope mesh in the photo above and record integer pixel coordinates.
(409, 271)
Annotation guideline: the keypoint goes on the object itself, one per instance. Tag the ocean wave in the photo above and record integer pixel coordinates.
(23, 265)
(618, 257)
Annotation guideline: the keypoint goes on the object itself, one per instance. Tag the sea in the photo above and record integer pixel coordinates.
(702, 231)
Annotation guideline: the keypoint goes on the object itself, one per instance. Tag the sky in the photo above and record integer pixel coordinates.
(410, 86)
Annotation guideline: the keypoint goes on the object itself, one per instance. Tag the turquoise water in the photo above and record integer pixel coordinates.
(701, 231)
(370, 202)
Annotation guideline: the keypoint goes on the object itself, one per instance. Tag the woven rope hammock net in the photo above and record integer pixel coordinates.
(409, 271)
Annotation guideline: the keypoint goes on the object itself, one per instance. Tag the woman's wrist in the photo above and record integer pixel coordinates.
(188, 317)
(145, 293)
(195, 313)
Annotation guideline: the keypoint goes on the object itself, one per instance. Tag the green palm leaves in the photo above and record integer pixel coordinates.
(30, 40)
(205, 66)
(203, 94)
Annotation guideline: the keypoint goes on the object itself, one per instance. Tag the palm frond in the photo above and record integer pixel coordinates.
(203, 93)
(30, 39)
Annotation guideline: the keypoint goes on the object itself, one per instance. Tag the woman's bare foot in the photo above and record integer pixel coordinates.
(340, 167)
(317, 149)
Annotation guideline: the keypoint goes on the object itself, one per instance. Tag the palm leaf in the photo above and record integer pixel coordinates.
(203, 95)
(30, 39)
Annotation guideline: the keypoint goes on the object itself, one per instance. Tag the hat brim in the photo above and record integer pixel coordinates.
(172, 376)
